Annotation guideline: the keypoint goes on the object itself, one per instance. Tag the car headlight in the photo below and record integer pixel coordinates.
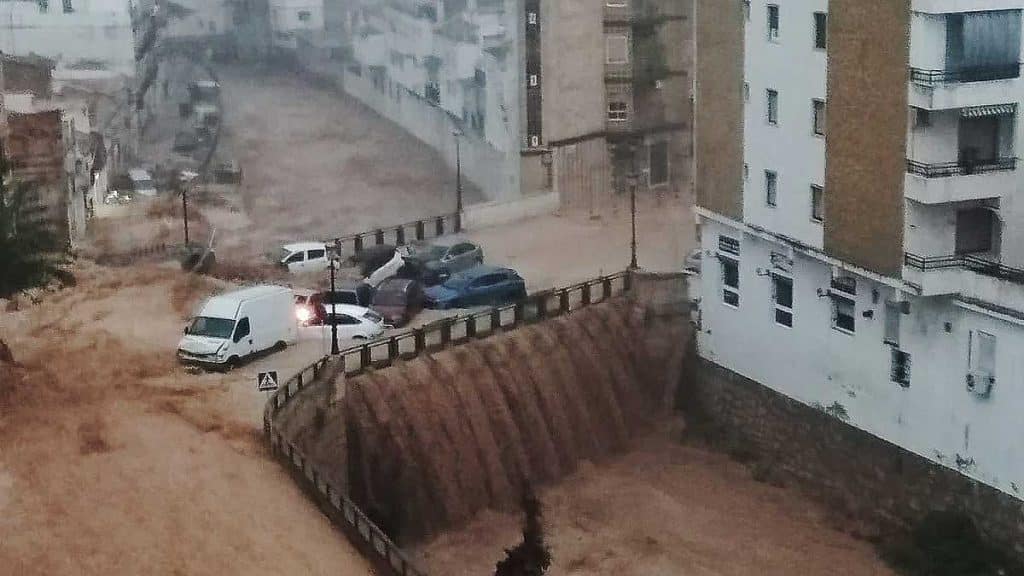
(303, 314)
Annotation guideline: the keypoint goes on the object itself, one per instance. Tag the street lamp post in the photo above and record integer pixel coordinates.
(632, 178)
(458, 179)
(331, 318)
(187, 177)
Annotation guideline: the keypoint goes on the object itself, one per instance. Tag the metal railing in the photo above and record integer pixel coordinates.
(947, 169)
(967, 262)
(964, 75)
(400, 235)
(446, 332)
(374, 544)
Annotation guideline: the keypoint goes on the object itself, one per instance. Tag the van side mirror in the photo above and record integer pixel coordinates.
(186, 330)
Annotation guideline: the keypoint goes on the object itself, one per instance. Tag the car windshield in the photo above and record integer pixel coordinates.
(340, 297)
(389, 298)
(212, 327)
(459, 281)
(373, 316)
(283, 253)
(143, 184)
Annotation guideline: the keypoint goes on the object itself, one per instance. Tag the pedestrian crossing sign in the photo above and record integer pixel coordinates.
(267, 381)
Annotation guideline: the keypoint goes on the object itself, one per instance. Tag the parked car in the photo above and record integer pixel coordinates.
(479, 286)
(373, 257)
(142, 183)
(353, 322)
(398, 300)
(232, 326)
(348, 292)
(434, 262)
(303, 257)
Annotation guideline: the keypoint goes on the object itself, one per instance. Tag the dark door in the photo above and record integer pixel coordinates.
(974, 231)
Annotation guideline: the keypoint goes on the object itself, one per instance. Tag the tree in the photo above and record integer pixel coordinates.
(31, 253)
(532, 557)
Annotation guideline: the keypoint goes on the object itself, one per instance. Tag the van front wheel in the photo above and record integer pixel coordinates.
(232, 363)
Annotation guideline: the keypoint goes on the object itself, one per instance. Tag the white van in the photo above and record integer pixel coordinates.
(238, 324)
(303, 257)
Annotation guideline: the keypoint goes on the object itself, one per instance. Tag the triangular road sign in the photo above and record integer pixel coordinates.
(266, 381)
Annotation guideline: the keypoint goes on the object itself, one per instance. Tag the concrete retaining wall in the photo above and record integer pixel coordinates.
(488, 214)
(876, 485)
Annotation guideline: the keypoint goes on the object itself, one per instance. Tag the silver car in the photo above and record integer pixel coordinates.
(437, 260)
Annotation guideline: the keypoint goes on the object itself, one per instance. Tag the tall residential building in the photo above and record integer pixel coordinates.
(861, 215)
(565, 97)
(90, 40)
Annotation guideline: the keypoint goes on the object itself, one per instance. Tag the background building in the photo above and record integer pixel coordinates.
(860, 219)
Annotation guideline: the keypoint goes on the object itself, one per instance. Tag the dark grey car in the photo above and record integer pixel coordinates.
(436, 261)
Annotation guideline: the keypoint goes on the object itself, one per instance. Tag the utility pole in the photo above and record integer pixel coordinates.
(458, 180)
(184, 209)
(331, 317)
(632, 214)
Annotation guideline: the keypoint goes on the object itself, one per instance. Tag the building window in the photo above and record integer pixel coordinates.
(820, 30)
(817, 203)
(818, 110)
(842, 293)
(746, 10)
(746, 172)
(728, 257)
(773, 107)
(782, 295)
(730, 281)
(900, 369)
(616, 3)
(617, 111)
(531, 18)
(893, 311)
(981, 361)
(68, 8)
(533, 80)
(657, 161)
(771, 188)
(616, 49)
(746, 91)
(44, 6)
(773, 22)
(305, 16)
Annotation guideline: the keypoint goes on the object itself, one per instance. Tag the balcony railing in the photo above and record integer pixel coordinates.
(947, 169)
(967, 262)
(964, 75)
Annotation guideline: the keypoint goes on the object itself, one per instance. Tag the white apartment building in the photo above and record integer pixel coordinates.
(89, 40)
(861, 216)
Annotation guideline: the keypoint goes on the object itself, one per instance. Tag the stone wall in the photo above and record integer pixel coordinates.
(871, 484)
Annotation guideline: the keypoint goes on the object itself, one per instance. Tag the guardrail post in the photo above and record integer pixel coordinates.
(357, 244)
(378, 236)
(392, 349)
(563, 300)
(421, 340)
(446, 332)
(495, 319)
(439, 226)
(400, 236)
(470, 327)
(586, 294)
(298, 381)
(520, 312)
(365, 357)
(627, 281)
(420, 233)
(542, 305)
(606, 285)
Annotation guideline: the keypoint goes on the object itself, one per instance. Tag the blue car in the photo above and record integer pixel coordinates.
(478, 286)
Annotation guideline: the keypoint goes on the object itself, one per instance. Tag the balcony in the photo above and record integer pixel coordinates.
(969, 276)
(964, 75)
(964, 87)
(959, 181)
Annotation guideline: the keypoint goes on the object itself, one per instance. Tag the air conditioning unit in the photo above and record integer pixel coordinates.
(980, 384)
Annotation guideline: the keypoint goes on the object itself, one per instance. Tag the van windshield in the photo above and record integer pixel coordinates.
(211, 327)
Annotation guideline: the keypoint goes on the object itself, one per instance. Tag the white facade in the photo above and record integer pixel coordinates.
(95, 31)
(930, 361)
(791, 66)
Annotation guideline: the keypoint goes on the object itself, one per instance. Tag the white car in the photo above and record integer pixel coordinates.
(354, 322)
(303, 257)
(142, 183)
